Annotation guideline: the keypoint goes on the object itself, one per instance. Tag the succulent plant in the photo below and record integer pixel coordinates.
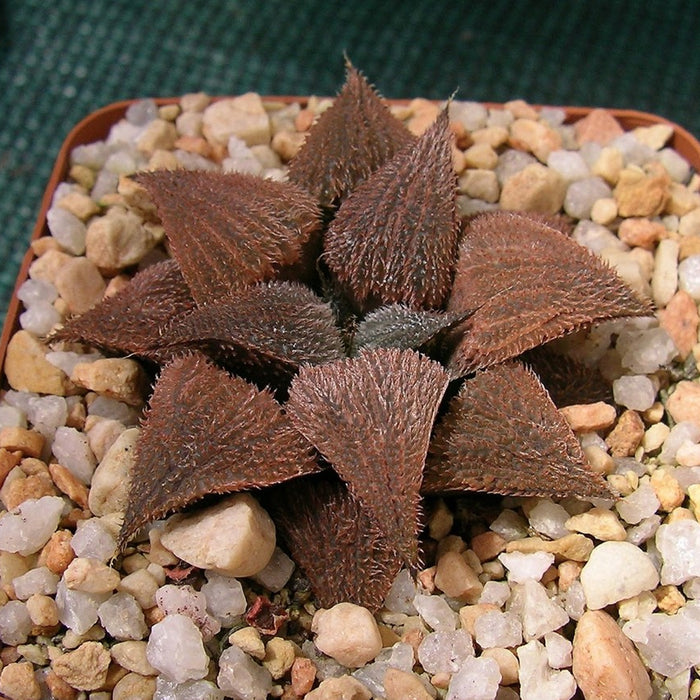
(345, 344)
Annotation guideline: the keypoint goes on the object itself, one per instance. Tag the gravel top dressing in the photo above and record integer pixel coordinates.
(116, 584)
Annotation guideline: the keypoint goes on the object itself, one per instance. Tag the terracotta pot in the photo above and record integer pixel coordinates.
(96, 126)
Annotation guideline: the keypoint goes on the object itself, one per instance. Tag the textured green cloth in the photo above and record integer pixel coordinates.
(62, 59)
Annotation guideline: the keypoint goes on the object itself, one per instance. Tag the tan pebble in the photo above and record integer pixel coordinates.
(664, 281)
(535, 137)
(153, 615)
(689, 224)
(480, 184)
(168, 112)
(134, 686)
(441, 680)
(481, 156)
(243, 116)
(569, 571)
(487, 545)
(654, 436)
(114, 199)
(195, 102)
(605, 663)
(119, 239)
(574, 546)
(667, 489)
(688, 245)
(655, 136)
(28, 442)
(159, 160)
(304, 120)
(440, 520)
(455, 578)
(158, 134)
(627, 434)
(57, 553)
(303, 675)
(414, 637)
(17, 682)
(83, 175)
(189, 124)
(116, 378)
(114, 674)
(684, 403)
(598, 522)
(493, 136)
(599, 460)
(599, 126)
(286, 144)
(34, 465)
(342, 688)
(157, 553)
(90, 576)
(68, 484)
(608, 165)
(42, 609)
(468, 614)
(79, 204)
(102, 434)
(425, 112)
(59, 689)
(80, 284)
(680, 320)
(681, 201)
(20, 490)
(694, 496)
(426, 579)
(279, 657)
(266, 156)
(521, 109)
(27, 369)
(404, 685)
(389, 637)
(137, 198)
(248, 639)
(640, 194)
(142, 585)
(590, 417)
(450, 543)
(535, 188)
(669, 599)
(507, 662)
(459, 163)
(49, 263)
(85, 668)
(641, 231)
(9, 459)
(347, 633)
(604, 211)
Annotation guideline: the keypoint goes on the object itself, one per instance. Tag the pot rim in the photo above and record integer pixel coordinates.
(95, 126)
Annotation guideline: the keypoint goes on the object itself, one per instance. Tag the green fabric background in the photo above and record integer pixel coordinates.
(61, 59)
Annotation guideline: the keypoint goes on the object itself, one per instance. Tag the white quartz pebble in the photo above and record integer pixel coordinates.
(538, 680)
(67, 229)
(498, 629)
(72, 450)
(679, 546)
(538, 613)
(185, 600)
(435, 611)
(28, 528)
(445, 652)
(175, 648)
(615, 571)
(401, 594)
(36, 581)
(122, 617)
(15, 623)
(95, 540)
(477, 679)
(189, 690)
(559, 650)
(225, 598)
(635, 391)
(522, 566)
(240, 677)
(277, 572)
(77, 610)
(689, 276)
(549, 518)
(641, 503)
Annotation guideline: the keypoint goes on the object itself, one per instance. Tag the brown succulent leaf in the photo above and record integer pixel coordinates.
(339, 547)
(266, 331)
(567, 380)
(230, 230)
(206, 432)
(394, 240)
(134, 318)
(371, 418)
(350, 140)
(527, 283)
(397, 326)
(502, 434)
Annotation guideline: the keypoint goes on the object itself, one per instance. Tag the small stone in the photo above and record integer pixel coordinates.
(226, 600)
(175, 649)
(342, 688)
(122, 618)
(435, 612)
(158, 134)
(684, 403)
(645, 351)
(96, 538)
(689, 224)
(604, 211)
(240, 677)
(523, 566)
(404, 685)
(235, 537)
(498, 629)
(582, 194)
(28, 528)
(401, 594)
(481, 156)
(27, 369)
(279, 657)
(72, 450)
(244, 117)
(559, 650)
(664, 281)
(689, 275)
(445, 651)
(121, 379)
(654, 136)
(455, 578)
(303, 675)
(477, 679)
(68, 484)
(35, 581)
(57, 553)
(131, 655)
(600, 523)
(480, 184)
(84, 668)
(249, 640)
(635, 391)
(608, 165)
(641, 194)
(598, 126)
(15, 623)
(605, 664)
(642, 232)
(538, 680)
(538, 613)
(667, 489)
(534, 136)
(678, 544)
(42, 610)
(574, 546)
(134, 686)
(347, 633)
(569, 164)
(80, 284)
(487, 545)
(615, 571)
(624, 439)
(669, 599)
(680, 320)
(185, 600)
(17, 682)
(535, 188)
(587, 418)
(90, 576)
